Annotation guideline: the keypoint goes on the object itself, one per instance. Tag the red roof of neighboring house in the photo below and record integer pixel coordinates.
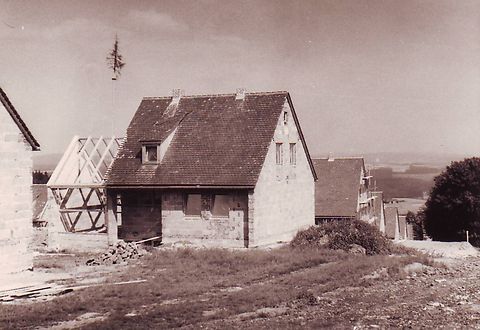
(18, 120)
(336, 190)
(219, 141)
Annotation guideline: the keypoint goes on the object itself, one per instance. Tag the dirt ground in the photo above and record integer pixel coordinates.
(441, 294)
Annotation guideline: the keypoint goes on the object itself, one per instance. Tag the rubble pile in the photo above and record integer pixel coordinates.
(120, 253)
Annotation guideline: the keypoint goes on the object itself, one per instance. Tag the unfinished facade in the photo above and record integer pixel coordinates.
(77, 186)
(16, 146)
(342, 190)
(222, 170)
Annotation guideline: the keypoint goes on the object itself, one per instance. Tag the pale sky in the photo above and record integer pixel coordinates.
(365, 76)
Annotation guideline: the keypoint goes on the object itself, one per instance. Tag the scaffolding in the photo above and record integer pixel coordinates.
(78, 182)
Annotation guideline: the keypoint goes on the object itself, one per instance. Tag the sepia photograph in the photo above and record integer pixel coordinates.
(247, 164)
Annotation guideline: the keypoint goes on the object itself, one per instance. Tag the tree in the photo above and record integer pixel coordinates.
(115, 60)
(453, 206)
(416, 221)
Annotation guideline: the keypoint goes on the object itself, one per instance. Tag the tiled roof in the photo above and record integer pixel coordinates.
(391, 224)
(18, 120)
(219, 141)
(336, 190)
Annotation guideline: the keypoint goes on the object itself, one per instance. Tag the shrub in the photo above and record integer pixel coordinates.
(342, 234)
(453, 207)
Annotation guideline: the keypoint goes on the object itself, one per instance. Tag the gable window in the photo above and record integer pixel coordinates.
(151, 154)
(293, 154)
(279, 153)
(285, 117)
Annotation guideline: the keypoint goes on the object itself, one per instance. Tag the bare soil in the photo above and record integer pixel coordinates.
(217, 289)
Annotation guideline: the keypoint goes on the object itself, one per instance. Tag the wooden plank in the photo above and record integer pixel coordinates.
(61, 164)
(88, 161)
(104, 155)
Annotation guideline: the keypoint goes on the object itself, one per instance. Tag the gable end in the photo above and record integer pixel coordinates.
(18, 121)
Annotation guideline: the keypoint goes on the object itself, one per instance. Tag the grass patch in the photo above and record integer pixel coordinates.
(183, 284)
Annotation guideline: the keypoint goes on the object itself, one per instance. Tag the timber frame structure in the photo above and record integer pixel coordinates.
(78, 182)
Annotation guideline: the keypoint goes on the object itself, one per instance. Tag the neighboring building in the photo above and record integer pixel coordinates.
(379, 210)
(402, 225)
(16, 146)
(392, 225)
(224, 170)
(342, 190)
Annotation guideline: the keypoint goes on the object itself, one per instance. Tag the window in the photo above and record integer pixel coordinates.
(279, 153)
(285, 117)
(293, 154)
(207, 205)
(150, 154)
(194, 204)
(221, 205)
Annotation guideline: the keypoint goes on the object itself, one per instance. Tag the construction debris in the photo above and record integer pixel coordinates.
(49, 290)
(120, 253)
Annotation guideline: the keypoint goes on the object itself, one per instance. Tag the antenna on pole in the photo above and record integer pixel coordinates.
(115, 63)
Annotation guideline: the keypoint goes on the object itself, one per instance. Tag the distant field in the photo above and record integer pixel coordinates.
(424, 176)
(407, 204)
(404, 186)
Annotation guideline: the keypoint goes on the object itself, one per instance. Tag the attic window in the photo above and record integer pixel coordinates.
(151, 154)
(279, 153)
(285, 117)
(293, 154)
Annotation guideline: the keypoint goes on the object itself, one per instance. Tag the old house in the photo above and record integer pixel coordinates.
(225, 170)
(16, 146)
(342, 190)
(392, 223)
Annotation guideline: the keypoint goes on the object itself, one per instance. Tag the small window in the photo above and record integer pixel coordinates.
(293, 154)
(221, 206)
(150, 154)
(285, 117)
(279, 153)
(207, 202)
(194, 204)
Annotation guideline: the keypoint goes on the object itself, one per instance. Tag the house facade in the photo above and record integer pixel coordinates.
(221, 170)
(392, 223)
(342, 190)
(379, 210)
(16, 146)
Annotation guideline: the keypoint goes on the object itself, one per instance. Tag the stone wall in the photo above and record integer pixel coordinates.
(206, 229)
(15, 197)
(284, 198)
(77, 242)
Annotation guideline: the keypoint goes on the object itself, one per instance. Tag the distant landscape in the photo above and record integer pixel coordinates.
(45, 162)
(405, 175)
(398, 175)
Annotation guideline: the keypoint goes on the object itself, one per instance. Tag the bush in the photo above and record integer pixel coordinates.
(342, 234)
(453, 207)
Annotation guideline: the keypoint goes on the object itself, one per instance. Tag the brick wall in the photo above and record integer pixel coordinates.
(15, 197)
(284, 197)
